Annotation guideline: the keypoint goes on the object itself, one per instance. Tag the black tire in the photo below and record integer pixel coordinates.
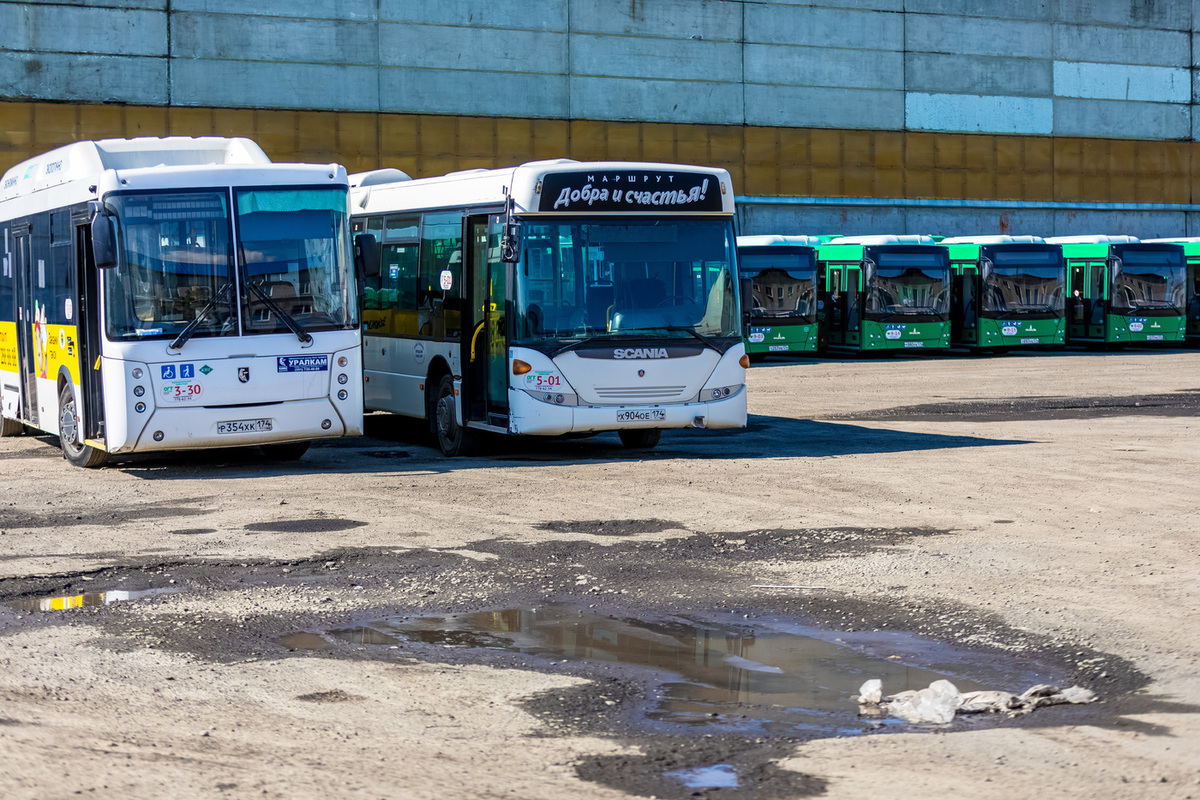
(287, 451)
(640, 438)
(11, 427)
(453, 439)
(73, 448)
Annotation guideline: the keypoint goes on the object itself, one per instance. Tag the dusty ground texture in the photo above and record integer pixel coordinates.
(1040, 506)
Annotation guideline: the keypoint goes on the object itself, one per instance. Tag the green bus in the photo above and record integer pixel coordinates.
(1009, 291)
(884, 293)
(779, 294)
(1191, 254)
(1123, 291)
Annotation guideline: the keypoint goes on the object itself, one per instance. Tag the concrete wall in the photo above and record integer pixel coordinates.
(1095, 68)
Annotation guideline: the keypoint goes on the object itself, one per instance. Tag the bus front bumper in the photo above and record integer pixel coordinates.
(199, 427)
(537, 418)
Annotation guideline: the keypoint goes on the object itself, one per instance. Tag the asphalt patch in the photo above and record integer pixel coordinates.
(313, 525)
(611, 527)
(75, 516)
(1007, 409)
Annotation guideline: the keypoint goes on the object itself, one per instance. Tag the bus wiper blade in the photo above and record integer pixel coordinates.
(292, 325)
(191, 327)
(573, 345)
(708, 340)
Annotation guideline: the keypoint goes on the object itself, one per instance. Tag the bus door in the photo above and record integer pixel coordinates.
(1098, 296)
(485, 374)
(87, 316)
(852, 303)
(1077, 311)
(26, 333)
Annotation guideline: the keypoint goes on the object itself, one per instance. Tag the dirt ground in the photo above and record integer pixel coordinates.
(1033, 506)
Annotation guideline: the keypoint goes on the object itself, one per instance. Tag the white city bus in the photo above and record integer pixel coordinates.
(160, 294)
(552, 298)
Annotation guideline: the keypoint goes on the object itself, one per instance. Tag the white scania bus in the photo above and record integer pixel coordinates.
(553, 298)
(160, 294)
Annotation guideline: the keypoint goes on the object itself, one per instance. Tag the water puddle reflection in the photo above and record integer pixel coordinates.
(84, 600)
(718, 776)
(772, 678)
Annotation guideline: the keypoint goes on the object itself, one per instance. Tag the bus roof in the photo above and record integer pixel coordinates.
(558, 186)
(1091, 239)
(773, 240)
(1005, 239)
(913, 238)
(87, 160)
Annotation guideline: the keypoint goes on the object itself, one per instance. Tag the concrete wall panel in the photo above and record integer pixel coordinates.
(1168, 14)
(934, 72)
(1122, 82)
(824, 67)
(710, 20)
(1123, 45)
(535, 15)
(100, 31)
(1010, 9)
(666, 59)
(655, 101)
(228, 37)
(971, 113)
(481, 93)
(482, 49)
(1121, 120)
(823, 27)
(976, 36)
(257, 84)
(89, 79)
(802, 106)
(293, 9)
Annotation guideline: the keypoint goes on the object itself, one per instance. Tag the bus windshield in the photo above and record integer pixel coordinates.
(1031, 283)
(782, 284)
(1149, 281)
(176, 267)
(909, 284)
(586, 279)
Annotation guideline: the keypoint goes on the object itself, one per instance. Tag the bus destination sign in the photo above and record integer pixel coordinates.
(630, 190)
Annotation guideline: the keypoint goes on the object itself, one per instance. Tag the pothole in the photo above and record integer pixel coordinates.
(65, 602)
(773, 678)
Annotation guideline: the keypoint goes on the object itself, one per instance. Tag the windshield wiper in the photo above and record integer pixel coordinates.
(574, 345)
(708, 340)
(191, 327)
(292, 325)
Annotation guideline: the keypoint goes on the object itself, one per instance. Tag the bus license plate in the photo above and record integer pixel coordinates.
(914, 344)
(654, 414)
(1029, 341)
(244, 426)
(1154, 337)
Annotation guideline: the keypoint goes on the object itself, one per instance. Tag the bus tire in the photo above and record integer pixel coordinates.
(11, 427)
(287, 451)
(453, 439)
(75, 451)
(640, 438)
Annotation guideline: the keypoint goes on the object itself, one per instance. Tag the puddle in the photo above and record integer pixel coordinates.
(718, 776)
(304, 641)
(315, 525)
(84, 600)
(772, 678)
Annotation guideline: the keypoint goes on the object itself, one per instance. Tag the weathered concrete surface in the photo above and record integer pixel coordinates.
(1074, 525)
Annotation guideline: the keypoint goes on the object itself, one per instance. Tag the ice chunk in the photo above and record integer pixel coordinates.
(871, 692)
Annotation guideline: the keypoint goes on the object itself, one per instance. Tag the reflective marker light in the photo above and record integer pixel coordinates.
(342, 378)
(138, 391)
(342, 394)
(716, 393)
(140, 407)
(158, 436)
(558, 398)
(137, 373)
(520, 367)
(342, 361)
(326, 424)
(745, 362)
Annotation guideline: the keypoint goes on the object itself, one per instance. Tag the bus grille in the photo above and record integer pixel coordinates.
(640, 394)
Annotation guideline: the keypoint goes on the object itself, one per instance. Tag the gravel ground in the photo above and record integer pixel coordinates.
(1028, 509)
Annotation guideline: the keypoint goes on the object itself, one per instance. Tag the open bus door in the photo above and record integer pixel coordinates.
(485, 371)
(88, 332)
(26, 335)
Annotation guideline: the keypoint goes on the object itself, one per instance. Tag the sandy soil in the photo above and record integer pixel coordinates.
(1042, 505)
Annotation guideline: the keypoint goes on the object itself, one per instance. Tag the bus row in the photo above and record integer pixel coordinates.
(806, 294)
(166, 294)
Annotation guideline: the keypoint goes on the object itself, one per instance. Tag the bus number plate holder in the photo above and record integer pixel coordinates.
(244, 426)
(653, 415)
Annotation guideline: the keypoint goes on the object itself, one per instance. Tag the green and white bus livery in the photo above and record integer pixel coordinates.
(1008, 292)
(1124, 291)
(779, 294)
(884, 293)
(1191, 254)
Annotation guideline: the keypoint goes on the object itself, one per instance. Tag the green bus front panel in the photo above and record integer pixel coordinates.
(1144, 330)
(1021, 333)
(900, 336)
(767, 339)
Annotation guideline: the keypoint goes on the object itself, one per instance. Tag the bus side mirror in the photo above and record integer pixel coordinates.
(510, 243)
(104, 250)
(746, 288)
(366, 255)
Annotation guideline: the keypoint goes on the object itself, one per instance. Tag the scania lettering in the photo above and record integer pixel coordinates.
(553, 298)
(1124, 291)
(884, 293)
(178, 293)
(779, 294)
(1009, 291)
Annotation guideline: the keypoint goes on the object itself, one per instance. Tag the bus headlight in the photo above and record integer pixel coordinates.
(554, 398)
(719, 393)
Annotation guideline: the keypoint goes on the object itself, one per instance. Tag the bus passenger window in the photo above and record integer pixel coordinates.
(439, 288)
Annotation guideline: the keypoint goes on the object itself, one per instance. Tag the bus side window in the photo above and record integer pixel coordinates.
(439, 310)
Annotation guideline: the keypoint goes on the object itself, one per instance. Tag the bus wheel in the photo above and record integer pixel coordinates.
(453, 439)
(640, 438)
(75, 451)
(11, 427)
(288, 451)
